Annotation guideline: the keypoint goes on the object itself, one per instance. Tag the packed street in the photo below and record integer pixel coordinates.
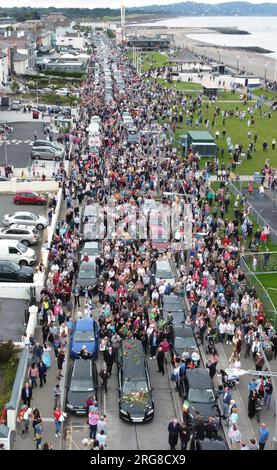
(145, 305)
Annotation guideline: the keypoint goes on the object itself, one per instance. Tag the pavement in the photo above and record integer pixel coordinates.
(264, 205)
(12, 319)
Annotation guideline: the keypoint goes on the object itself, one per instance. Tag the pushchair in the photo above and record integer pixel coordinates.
(229, 381)
(212, 338)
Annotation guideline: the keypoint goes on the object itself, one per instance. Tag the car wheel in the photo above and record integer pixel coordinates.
(25, 242)
(57, 159)
(17, 202)
(39, 203)
(23, 263)
(21, 279)
(40, 227)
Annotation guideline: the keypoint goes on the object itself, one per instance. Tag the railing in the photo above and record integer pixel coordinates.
(252, 280)
(253, 212)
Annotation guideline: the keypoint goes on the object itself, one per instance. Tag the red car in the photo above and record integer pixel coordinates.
(29, 197)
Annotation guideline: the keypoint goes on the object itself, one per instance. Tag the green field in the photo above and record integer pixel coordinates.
(154, 60)
(270, 95)
(7, 376)
(269, 281)
(187, 86)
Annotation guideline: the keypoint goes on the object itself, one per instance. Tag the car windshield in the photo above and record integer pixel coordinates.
(78, 385)
(83, 336)
(164, 274)
(197, 395)
(181, 343)
(130, 386)
(21, 247)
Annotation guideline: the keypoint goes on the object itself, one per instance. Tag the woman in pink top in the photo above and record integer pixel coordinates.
(93, 419)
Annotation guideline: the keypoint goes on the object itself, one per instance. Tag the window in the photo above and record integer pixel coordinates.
(13, 250)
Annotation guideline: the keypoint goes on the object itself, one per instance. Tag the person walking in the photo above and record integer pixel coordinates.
(42, 371)
(160, 360)
(101, 437)
(36, 418)
(263, 436)
(102, 424)
(76, 294)
(57, 396)
(26, 421)
(227, 397)
(57, 420)
(60, 361)
(235, 437)
(258, 408)
(26, 394)
(173, 433)
(109, 359)
(38, 434)
(104, 374)
(93, 419)
(268, 393)
(184, 435)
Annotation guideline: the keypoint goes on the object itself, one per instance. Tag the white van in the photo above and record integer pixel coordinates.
(13, 250)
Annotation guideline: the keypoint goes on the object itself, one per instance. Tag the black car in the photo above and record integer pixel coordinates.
(198, 390)
(183, 340)
(82, 384)
(135, 394)
(208, 444)
(173, 310)
(12, 272)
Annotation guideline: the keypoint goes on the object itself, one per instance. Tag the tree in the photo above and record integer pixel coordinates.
(15, 86)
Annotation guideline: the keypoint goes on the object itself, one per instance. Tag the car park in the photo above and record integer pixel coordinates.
(87, 275)
(13, 250)
(26, 218)
(29, 197)
(82, 384)
(46, 153)
(26, 234)
(85, 333)
(12, 272)
(135, 393)
(198, 390)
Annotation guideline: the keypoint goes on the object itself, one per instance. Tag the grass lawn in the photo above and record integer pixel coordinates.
(270, 95)
(269, 281)
(7, 376)
(181, 85)
(154, 60)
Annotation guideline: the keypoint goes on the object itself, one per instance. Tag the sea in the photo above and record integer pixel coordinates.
(263, 30)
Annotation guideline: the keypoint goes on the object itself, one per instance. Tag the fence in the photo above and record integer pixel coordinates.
(252, 280)
(253, 212)
(12, 406)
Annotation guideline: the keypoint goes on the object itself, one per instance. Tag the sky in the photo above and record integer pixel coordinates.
(104, 3)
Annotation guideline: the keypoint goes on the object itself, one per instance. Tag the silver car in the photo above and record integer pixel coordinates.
(25, 234)
(25, 218)
(46, 153)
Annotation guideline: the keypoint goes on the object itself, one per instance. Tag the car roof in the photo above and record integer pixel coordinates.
(82, 368)
(90, 245)
(84, 324)
(183, 331)
(133, 359)
(163, 264)
(21, 226)
(24, 213)
(199, 378)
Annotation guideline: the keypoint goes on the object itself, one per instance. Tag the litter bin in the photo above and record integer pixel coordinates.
(35, 114)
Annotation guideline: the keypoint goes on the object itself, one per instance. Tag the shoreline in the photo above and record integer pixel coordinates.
(255, 63)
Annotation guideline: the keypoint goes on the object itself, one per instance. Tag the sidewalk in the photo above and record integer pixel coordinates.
(43, 399)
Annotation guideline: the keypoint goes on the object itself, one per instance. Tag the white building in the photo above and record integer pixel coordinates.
(4, 66)
(20, 63)
(76, 42)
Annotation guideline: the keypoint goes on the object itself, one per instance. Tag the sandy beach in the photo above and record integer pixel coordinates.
(254, 63)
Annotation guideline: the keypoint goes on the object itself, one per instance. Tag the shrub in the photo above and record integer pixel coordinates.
(7, 352)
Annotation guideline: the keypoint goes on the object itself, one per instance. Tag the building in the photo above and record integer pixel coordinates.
(210, 89)
(98, 24)
(4, 67)
(20, 63)
(149, 44)
(72, 40)
(201, 142)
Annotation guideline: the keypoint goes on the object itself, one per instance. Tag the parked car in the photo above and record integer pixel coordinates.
(46, 153)
(198, 390)
(160, 239)
(62, 92)
(132, 136)
(85, 333)
(29, 197)
(82, 383)
(26, 218)
(173, 310)
(47, 143)
(4, 178)
(164, 271)
(13, 250)
(15, 105)
(24, 233)
(12, 272)
(87, 274)
(208, 444)
(135, 393)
